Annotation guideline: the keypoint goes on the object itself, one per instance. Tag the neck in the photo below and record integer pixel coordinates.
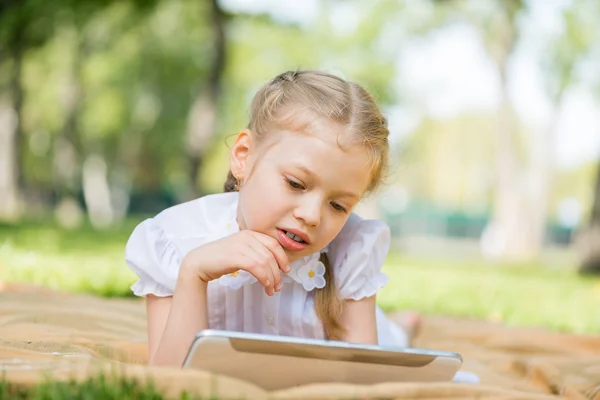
(240, 217)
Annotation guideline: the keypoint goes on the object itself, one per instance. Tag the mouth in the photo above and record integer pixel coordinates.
(292, 240)
(297, 236)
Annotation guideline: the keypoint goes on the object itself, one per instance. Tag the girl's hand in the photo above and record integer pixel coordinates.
(257, 253)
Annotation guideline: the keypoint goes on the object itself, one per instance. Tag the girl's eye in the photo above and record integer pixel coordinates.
(294, 184)
(338, 207)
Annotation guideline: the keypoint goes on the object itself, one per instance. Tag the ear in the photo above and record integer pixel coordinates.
(238, 157)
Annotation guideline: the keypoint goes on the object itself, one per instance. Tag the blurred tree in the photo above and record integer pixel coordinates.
(590, 237)
(23, 25)
(80, 163)
(141, 86)
(523, 187)
(357, 40)
(170, 126)
(561, 58)
(120, 105)
(26, 26)
(507, 230)
(446, 163)
(507, 234)
(202, 117)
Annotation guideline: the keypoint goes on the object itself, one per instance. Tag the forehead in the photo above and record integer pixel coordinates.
(325, 150)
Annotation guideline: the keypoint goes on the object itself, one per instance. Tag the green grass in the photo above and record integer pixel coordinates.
(82, 260)
(96, 387)
(554, 296)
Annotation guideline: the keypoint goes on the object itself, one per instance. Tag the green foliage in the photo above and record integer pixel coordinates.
(566, 51)
(25, 24)
(129, 71)
(133, 75)
(120, 78)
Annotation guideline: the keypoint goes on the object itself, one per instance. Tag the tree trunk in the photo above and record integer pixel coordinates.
(542, 169)
(595, 215)
(68, 149)
(17, 95)
(11, 139)
(505, 236)
(203, 114)
(97, 192)
(589, 242)
(540, 185)
(9, 197)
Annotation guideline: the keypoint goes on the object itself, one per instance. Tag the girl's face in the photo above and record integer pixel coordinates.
(301, 187)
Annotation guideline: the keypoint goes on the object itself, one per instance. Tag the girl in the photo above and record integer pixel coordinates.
(280, 252)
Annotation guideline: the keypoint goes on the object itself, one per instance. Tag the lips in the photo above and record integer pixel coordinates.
(290, 244)
(299, 234)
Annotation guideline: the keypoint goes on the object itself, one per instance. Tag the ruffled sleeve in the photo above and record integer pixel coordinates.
(153, 258)
(357, 255)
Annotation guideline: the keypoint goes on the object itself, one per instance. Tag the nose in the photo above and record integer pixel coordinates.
(309, 211)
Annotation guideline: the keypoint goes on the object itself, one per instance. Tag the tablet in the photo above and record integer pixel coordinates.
(280, 362)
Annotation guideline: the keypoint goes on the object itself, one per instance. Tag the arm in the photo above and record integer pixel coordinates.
(359, 318)
(173, 321)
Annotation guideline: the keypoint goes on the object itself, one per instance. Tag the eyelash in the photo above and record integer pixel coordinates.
(294, 184)
(338, 207)
(298, 186)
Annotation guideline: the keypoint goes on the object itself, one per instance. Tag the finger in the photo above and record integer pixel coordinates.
(278, 252)
(251, 264)
(270, 257)
(260, 266)
(267, 261)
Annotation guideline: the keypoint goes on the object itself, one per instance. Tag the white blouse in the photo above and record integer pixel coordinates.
(237, 302)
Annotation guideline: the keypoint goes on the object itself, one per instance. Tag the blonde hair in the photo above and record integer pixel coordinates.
(292, 99)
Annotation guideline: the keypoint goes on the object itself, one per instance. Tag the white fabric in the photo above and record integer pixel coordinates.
(237, 302)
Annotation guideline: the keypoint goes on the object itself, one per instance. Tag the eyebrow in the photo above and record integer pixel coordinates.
(342, 193)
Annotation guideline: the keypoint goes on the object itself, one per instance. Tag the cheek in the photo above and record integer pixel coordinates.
(262, 212)
(255, 217)
(263, 192)
(331, 227)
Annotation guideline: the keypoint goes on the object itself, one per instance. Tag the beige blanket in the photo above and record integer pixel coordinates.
(44, 332)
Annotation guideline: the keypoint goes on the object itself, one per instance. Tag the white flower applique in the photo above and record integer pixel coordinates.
(308, 271)
(237, 279)
(312, 275)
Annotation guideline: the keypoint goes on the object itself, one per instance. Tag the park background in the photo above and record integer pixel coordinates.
(111, 111)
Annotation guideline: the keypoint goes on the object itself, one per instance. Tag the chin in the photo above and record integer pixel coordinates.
(295, 256)
(292, 255)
